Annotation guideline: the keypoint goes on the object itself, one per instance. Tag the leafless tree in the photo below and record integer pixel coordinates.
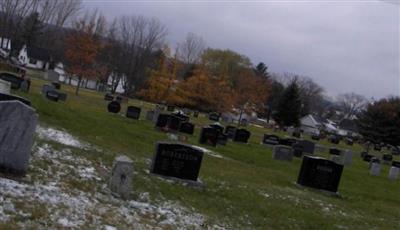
(191, 49)
(140, 37)
(351, 103)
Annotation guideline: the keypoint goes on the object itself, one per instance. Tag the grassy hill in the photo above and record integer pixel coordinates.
(245, 188)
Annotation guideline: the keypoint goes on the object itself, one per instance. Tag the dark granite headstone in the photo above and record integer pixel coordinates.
(377, 147)
(182, 117)
(133, 112)
(119, 99)
(349, 141)
(114, 107)
(308, 146)
(334, 151)
(209, 136)
(52, 95)
(173, 123)
(162, 120)
(177, 160)
(108, 97)
(214, 116)
(14, 80)
(218, 127)
(25, 85)
(56, 85)
(320, 173)
(271, 139)
(367, 157)
(46, 88)
(296, 133)
(287, 141)
(9, 97)
(242, 135)
(282, 152)
(297, 150)
(230, 131)
(396, 164)
(315, 137)
(62, 96)
(334, 139)
(387, 157)
(222, 139)
(196, 114)
(186, 127)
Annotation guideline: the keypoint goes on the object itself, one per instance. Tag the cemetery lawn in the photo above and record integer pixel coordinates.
(244, 187)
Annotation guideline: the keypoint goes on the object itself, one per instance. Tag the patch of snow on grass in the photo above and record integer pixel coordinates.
(72, 193)
(60, 137)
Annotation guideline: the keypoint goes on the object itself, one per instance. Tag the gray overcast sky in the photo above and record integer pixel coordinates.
(345, 46)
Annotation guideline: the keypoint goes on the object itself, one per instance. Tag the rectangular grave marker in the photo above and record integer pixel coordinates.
(18, 123)
(133, 112)
(320, 173)
(271, 139)
(282, 152)
(177, 161)
(208, 136)
(242, 135)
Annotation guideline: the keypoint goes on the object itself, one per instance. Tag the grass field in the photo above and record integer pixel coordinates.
(245, 189)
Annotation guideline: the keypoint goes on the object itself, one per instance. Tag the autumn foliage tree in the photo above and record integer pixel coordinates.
(83, 48)
(162, 85)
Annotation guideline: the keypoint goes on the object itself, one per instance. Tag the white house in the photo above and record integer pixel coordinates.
(59, 68)
(311, 124)
(5, 47)
(34, 57)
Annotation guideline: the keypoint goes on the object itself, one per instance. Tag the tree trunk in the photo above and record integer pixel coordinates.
(240, 117)
(77, 86)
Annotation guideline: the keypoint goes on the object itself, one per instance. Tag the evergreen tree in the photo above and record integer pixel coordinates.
(289, 106)
(380, 122)
(261, 70)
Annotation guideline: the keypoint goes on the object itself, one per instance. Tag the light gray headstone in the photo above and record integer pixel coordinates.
(375, 169)
(17, 127)
(345, 158)
(157, 111)
(5, 87)
(121, 177)
(394, 173)
(46, 88)
(282, 152)
(150, 115)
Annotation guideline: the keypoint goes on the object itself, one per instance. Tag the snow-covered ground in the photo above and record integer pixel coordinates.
(63, 189)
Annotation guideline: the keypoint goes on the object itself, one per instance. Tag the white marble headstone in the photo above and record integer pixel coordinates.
(375, 169)
(121, 177)
(394, 173)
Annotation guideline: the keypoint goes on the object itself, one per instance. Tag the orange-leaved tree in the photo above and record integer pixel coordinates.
(250, 92)
(163, 85)
(83, 48)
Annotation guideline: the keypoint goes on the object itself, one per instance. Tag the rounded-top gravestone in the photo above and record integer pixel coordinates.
(114, 107)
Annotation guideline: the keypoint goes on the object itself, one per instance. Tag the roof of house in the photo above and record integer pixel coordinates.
(38, 53)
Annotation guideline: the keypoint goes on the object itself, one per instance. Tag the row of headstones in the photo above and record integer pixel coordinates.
(375, 165)
(16, 83)
(18, 122)
(183, 162)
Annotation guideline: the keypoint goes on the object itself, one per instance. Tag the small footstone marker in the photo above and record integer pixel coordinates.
(17, 127)
(121, 177)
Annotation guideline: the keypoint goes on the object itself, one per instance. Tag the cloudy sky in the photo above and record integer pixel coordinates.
(345, 46)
